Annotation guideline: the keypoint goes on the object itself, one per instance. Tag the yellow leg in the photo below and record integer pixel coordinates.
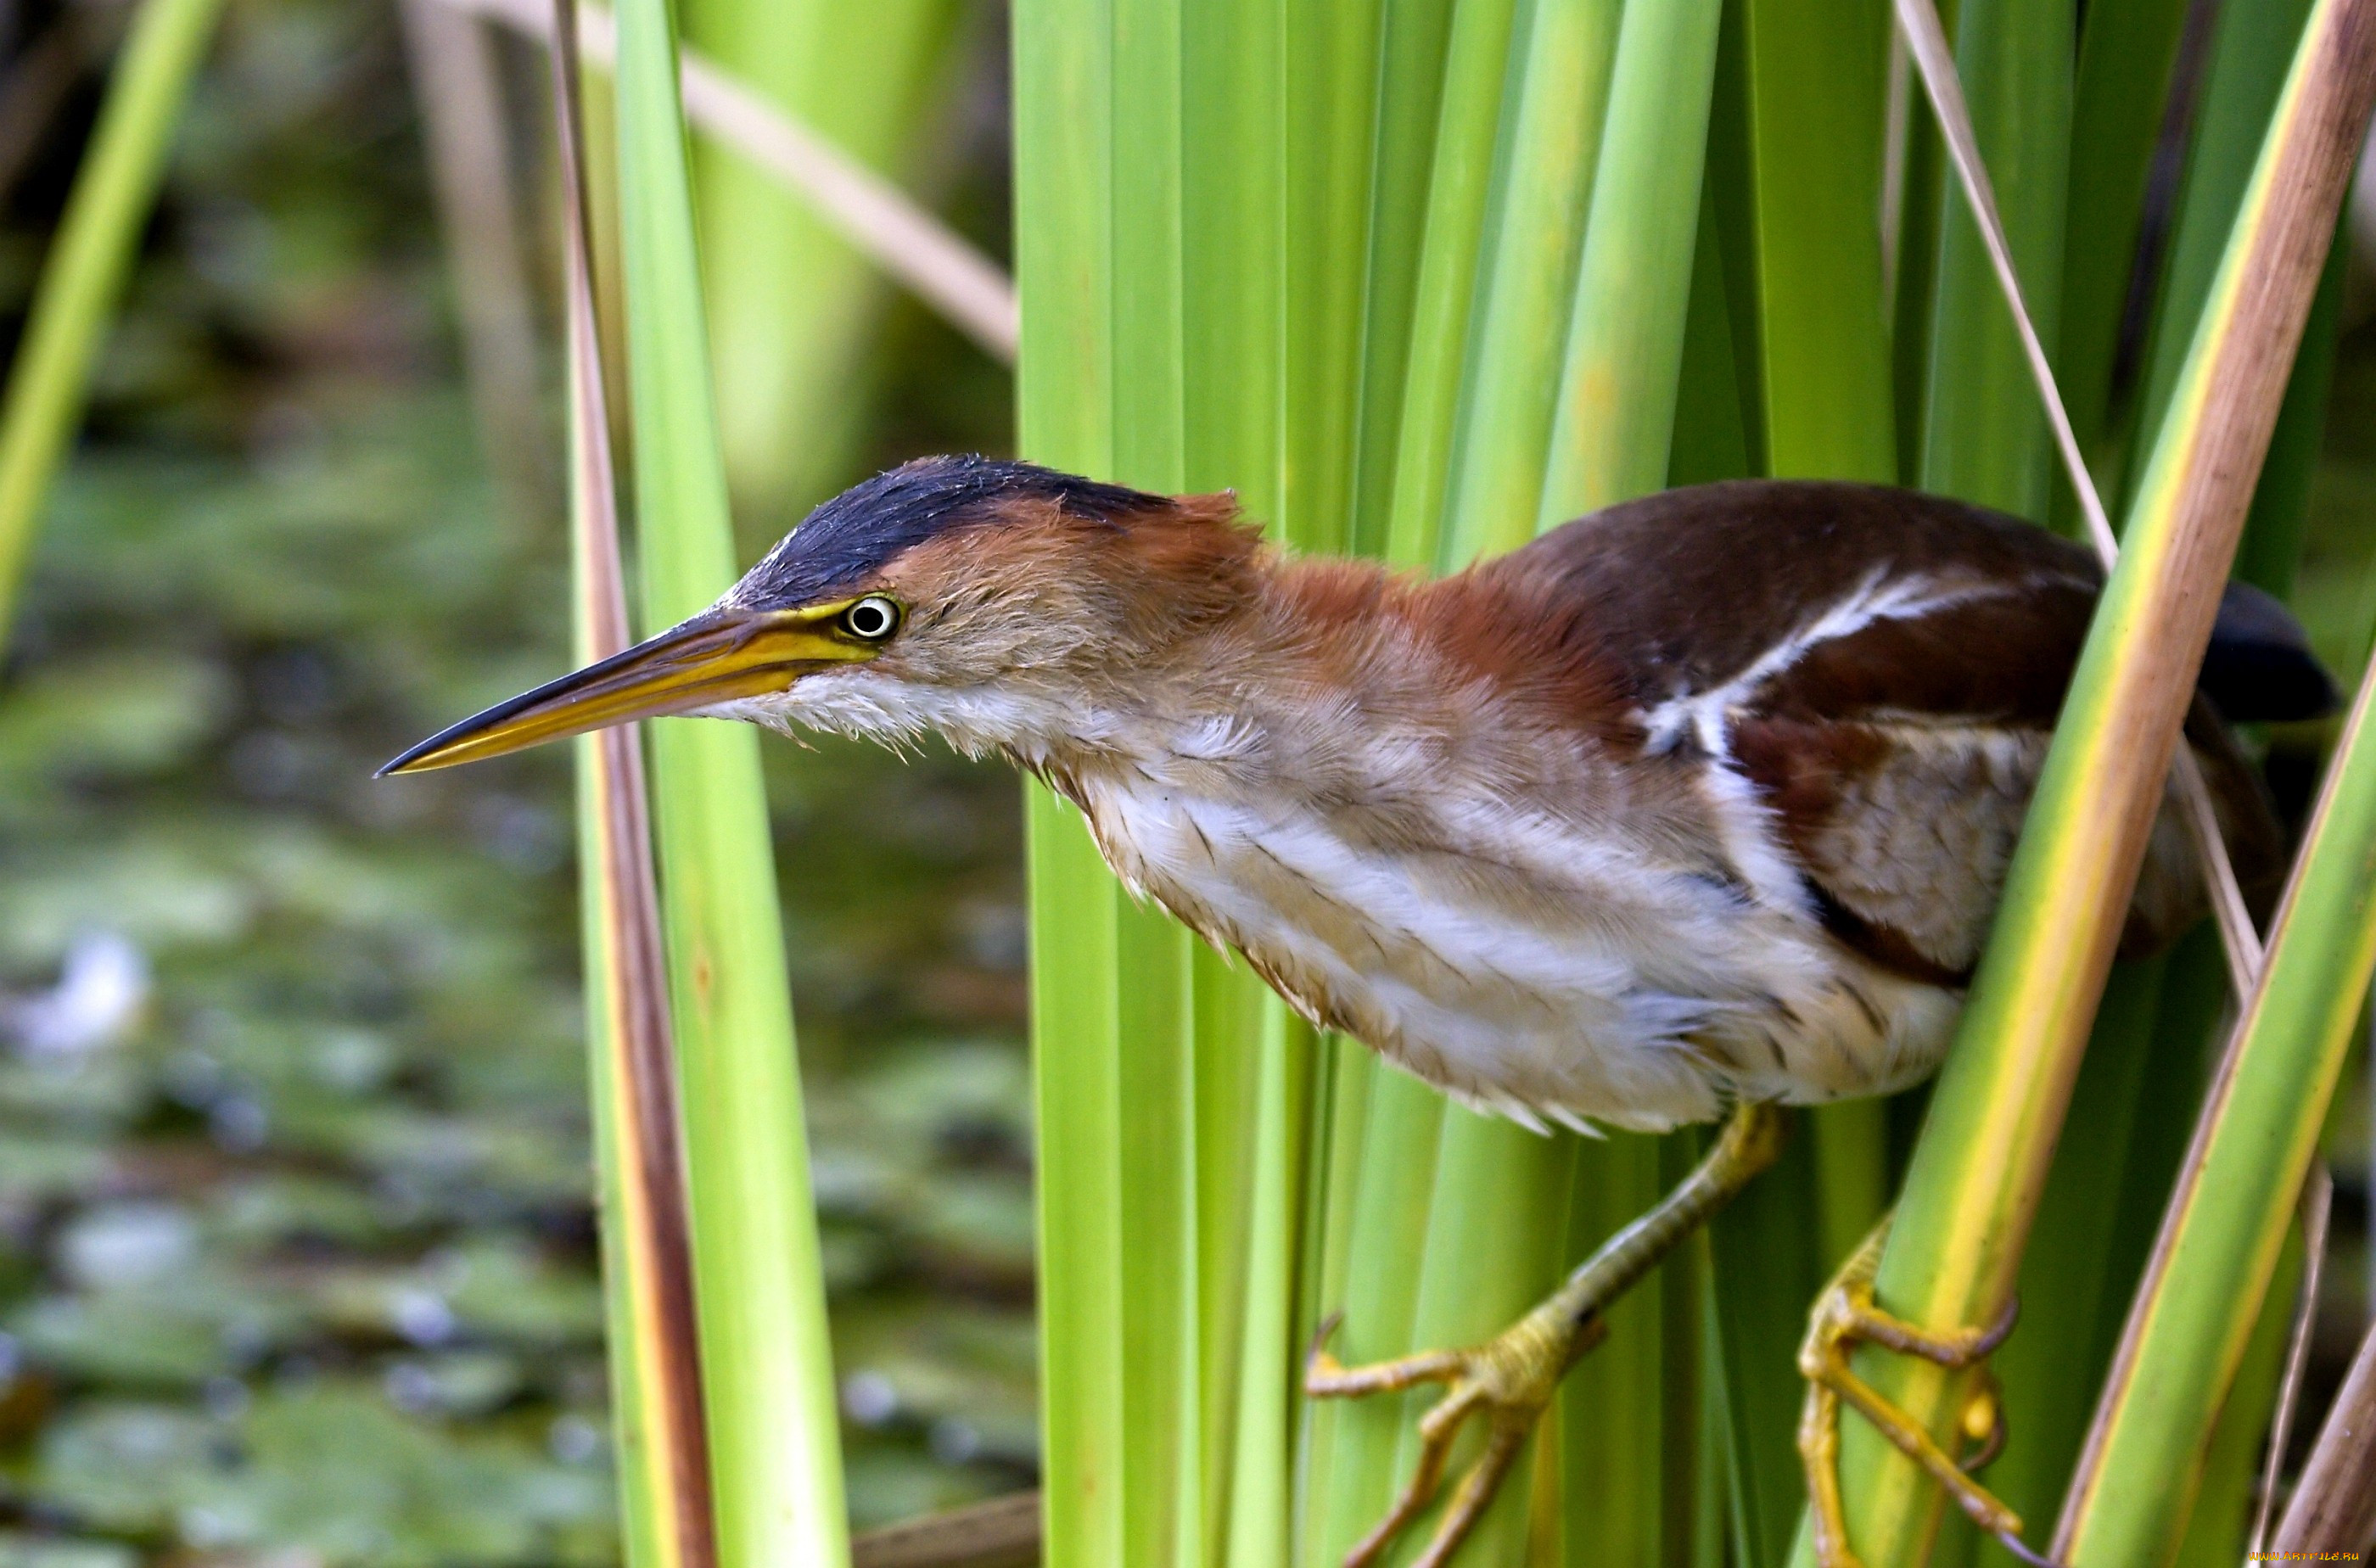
(1844, 1316)
(1511, 1377)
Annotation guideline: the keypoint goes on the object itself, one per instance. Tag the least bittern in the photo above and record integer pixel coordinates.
(1699, 805)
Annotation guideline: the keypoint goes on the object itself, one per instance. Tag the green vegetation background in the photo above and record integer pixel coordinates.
(296, 1268)
(299, 1269)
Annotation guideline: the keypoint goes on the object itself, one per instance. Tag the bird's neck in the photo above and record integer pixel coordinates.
(1157, 681)
(1317, 659)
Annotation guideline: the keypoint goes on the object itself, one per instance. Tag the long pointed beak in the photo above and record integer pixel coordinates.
(715, 657)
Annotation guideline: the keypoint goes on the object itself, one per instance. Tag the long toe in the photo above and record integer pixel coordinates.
(1508, 1381)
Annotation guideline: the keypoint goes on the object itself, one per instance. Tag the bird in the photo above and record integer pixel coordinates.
(1693, 809)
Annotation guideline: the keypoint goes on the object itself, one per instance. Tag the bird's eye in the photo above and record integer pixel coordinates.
(871, 619)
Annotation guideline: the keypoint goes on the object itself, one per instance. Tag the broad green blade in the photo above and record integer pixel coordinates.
(2249, 54)
(791, 303)
(1159, 1156)
(1081, 1240)
(2128, 52)
(775, 1447)
(1626, 1439)
(2221, 1516)
(2270, 554)
(83, 273)
(1461, 185)
(1799, 157)
(1609, 443)
(1796, 166)
(1296, 380)
(1064, 67)
(1985, 438)
(1545, 169)
(1413, 86)
(1174, 1094)
(2140, 1078)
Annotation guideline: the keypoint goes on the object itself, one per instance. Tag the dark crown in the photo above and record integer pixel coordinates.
(849, 539)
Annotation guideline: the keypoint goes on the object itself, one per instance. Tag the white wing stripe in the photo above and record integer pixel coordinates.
(1701, 714)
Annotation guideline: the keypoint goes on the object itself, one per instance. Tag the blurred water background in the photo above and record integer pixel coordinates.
(296, 1266)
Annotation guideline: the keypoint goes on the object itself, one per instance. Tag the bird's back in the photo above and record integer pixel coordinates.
(1686, 588)
(1885, 667)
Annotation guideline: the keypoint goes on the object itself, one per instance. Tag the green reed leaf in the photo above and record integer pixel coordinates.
(83, 276)
(767, 1365)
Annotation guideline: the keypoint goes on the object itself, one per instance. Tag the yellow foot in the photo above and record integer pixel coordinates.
(1512, 1376)
(1847, 1317)
(1508, 1380)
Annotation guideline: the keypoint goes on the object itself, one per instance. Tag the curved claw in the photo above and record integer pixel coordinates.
(1317, 1351)
(2013, 1542)
(1509, 1379)
(1984, 1423)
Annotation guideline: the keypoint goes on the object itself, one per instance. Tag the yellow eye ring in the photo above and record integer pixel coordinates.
(871, 619)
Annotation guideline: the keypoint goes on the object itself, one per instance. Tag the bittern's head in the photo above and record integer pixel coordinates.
(1003, 605)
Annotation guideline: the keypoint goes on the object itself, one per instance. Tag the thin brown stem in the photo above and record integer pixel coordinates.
(653, 1231)
(2333, 1505)
(2316, 1211)
(1001, 1533)
(939, 265)
(455, 82)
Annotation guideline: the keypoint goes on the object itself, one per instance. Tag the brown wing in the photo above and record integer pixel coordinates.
(1886, 668)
